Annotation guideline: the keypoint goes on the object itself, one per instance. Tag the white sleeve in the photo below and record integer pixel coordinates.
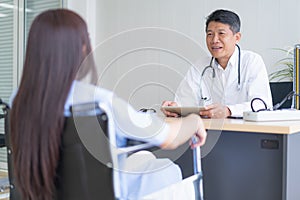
(137, 125)
(238, 109)
(257, 87)
(187, 93)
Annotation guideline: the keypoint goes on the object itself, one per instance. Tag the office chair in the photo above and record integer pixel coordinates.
(279, 90)
(4, 182)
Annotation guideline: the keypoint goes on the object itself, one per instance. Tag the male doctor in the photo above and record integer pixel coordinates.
(226, 82)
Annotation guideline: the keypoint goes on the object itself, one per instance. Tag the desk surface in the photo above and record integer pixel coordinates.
(278, 127)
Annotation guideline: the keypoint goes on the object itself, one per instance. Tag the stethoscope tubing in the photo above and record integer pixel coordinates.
(214, 73)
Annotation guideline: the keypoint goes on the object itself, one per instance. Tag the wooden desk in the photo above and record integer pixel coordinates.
(249, 160)
(274, 127)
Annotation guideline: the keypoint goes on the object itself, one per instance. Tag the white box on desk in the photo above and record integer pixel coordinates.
(277, 115)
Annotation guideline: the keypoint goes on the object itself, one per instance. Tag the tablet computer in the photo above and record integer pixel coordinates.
(183, 111)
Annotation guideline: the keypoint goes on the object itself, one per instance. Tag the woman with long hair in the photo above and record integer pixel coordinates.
(57, 48)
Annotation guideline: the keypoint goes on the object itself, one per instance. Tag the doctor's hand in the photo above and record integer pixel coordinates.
(167, 113)
(216, 111)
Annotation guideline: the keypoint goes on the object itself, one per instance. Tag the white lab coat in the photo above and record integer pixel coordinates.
(224, 87)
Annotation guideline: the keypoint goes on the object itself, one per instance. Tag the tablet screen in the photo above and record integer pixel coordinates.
(183, 111)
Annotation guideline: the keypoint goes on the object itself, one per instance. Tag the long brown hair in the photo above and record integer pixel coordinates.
(58, 43)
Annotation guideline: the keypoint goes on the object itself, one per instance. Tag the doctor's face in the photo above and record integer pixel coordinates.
(220, 41)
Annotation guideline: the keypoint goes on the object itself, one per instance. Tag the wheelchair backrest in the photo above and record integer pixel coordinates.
(85, 166)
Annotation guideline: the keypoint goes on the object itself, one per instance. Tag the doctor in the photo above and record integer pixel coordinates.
(226, 82)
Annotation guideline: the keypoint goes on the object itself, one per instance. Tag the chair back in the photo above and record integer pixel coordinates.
(85, 166)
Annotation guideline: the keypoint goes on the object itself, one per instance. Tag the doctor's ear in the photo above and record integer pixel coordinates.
(238, 36)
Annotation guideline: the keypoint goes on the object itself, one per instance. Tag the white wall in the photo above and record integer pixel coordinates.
(161, 37)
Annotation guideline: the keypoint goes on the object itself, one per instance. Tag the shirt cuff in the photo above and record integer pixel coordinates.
(236, 111)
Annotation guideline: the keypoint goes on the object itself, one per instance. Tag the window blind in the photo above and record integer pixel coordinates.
(6, 62)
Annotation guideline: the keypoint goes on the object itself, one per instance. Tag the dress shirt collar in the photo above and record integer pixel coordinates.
(233, 61)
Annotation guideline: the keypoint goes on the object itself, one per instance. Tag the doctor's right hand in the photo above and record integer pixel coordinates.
(216, 110)
(167, 113)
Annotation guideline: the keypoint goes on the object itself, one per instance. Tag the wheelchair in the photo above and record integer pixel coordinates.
(89, 158)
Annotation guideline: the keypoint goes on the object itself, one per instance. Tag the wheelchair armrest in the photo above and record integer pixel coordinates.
(132, 149)
(2, 140)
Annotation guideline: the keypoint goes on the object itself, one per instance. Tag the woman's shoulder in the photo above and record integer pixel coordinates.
(90, 88)
(83, 92)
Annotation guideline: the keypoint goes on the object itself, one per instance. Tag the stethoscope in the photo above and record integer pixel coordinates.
(214, 73)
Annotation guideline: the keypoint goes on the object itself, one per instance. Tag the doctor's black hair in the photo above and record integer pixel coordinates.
(225, 17)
